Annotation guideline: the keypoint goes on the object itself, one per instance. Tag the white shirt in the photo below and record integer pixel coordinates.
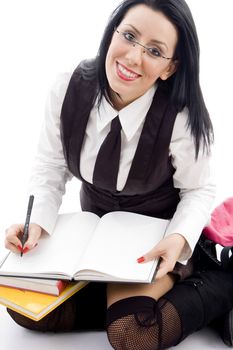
(131, 118)
(50, 172)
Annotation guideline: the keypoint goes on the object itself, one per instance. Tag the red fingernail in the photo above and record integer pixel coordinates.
(140, 260)
(20, 248)
(25, 250)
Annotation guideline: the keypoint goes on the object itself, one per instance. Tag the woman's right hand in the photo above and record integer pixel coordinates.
(13, 233)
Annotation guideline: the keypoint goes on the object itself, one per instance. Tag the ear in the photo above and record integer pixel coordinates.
(171, 69)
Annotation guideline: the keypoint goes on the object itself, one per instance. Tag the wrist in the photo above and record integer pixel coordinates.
(178, 237)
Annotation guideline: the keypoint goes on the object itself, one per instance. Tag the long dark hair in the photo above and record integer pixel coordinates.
(183, 87)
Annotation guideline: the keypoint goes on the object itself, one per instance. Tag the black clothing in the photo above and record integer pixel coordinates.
(190, 305)
(151, 173)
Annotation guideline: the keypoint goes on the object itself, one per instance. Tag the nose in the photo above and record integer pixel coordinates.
(135, 54)
(142, 47)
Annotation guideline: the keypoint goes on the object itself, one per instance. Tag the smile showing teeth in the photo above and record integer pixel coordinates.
(126, 73)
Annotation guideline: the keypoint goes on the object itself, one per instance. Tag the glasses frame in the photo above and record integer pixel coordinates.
(146, 48)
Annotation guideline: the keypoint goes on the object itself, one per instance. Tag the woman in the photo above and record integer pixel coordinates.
(145, 79)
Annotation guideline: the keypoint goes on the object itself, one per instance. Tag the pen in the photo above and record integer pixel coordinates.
(26, 226)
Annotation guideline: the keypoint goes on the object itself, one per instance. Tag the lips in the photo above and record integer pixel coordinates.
(126, 74)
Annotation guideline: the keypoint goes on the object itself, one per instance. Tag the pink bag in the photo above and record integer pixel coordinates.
(220, 229)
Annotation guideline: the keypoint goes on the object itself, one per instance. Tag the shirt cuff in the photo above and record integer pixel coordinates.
(190, 227)
(44, 218)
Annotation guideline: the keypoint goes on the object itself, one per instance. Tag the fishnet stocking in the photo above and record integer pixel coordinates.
(150, 328)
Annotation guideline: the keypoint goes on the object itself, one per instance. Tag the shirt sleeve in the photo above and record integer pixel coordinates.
(50, 173)
(194, 178)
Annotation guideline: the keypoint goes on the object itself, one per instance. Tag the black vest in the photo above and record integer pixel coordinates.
(149, 187)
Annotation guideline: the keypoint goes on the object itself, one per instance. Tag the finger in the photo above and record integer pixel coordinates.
(34, 235)
(14, 240)
(25, 250)
(161, 273)
(13, 248)
(14, 229)
(165, 266)
(12, 234)
(151, 255)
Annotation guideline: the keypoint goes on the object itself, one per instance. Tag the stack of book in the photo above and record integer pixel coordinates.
(82, 248)
(37, 304)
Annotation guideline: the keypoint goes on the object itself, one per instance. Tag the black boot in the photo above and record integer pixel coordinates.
(224, 326)
(227, 334)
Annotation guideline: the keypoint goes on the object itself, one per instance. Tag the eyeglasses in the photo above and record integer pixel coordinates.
(129, 38)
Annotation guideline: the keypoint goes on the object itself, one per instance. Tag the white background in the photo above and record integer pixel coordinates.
(41, 38)
(38, 40)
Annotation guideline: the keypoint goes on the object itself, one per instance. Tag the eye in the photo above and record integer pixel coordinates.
(129, 36)
(154, 52)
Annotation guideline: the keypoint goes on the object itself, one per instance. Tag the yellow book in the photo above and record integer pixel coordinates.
(36, 305)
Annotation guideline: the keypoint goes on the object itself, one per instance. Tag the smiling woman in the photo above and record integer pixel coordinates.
(142, 64)
(142, 91)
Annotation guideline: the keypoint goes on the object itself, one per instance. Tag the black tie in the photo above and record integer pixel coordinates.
(108, 157)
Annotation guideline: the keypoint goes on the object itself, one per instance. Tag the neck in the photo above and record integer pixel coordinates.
(118, 102)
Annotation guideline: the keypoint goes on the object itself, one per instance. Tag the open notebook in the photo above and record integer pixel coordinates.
(86, 247)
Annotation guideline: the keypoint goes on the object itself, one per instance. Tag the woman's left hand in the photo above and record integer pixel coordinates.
(169, 250)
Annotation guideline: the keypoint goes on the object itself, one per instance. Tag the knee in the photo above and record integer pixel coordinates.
(119, 334)
(133, 324)
(142, 323)
(128, 333)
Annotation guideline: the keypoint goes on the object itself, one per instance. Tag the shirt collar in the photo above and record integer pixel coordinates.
(131, 116)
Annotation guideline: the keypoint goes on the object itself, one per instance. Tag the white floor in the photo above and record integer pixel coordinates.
(13, 336)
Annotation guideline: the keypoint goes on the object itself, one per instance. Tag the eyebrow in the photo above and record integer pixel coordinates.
(152, 40)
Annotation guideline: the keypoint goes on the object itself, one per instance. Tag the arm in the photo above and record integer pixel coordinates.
(197, 192)
(49, 174)
(194, 178)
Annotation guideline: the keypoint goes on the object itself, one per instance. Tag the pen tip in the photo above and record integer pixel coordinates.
(21, 254)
